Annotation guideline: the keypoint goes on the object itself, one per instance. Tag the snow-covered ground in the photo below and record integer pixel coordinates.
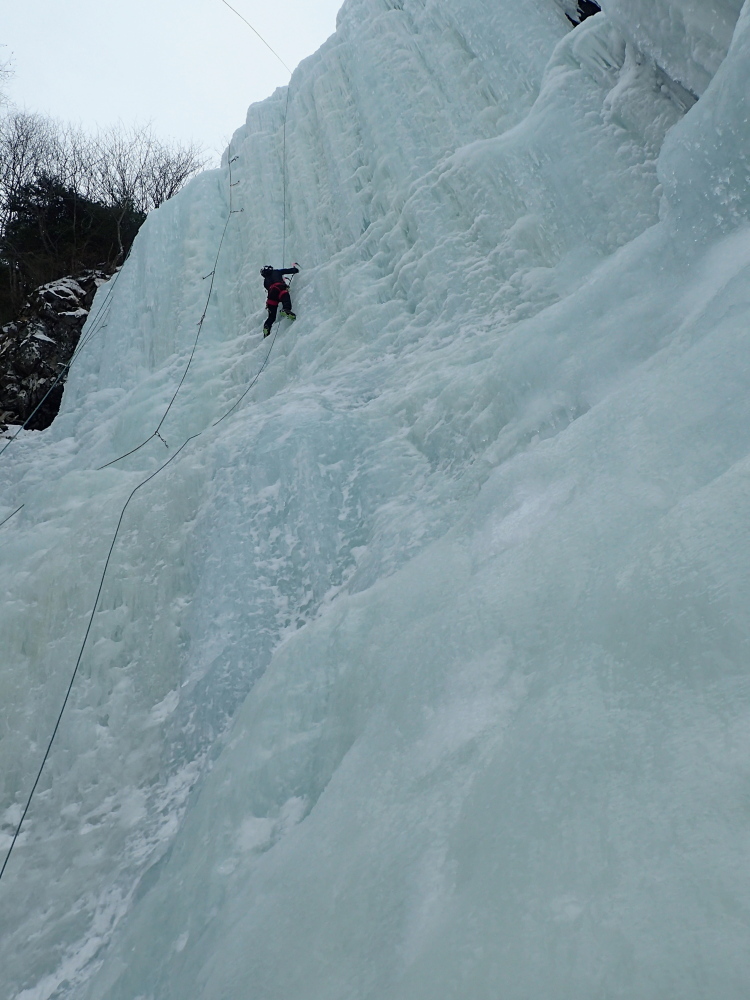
(424, 672)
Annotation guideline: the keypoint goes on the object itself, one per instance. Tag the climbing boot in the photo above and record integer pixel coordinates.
(291, 316)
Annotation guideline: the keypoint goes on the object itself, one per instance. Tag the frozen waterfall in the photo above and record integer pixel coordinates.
(423, 674)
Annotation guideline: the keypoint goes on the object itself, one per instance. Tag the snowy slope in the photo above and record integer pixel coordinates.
(424, 672)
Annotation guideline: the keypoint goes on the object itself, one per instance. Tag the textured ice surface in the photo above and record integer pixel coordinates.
(423, 674)
(687, 38)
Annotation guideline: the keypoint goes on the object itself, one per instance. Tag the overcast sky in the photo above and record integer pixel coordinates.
(189, 66)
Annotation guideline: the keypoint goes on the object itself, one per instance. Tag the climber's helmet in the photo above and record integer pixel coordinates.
(266, 270)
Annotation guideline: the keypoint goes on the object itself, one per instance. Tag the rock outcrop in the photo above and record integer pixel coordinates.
(37, 346)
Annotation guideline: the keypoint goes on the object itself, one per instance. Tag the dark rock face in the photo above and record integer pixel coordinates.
(578, 10)
(37, 346)
(586, 8)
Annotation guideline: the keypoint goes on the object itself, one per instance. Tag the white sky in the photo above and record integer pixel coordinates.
(191, 67)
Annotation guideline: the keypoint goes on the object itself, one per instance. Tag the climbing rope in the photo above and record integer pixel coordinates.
(257, 375)
(5, 520)
(164, 465)
(258, 34)
(80, 652)
(99, 592)
(74, 674)
(286, 113)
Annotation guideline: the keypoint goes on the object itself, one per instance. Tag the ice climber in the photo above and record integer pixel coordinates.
(278, 293)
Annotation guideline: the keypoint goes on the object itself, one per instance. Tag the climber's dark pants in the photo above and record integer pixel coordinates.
(273, 306)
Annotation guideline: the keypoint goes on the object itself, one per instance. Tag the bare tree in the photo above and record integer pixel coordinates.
(132, 169)
(170, 168)
(5, 75)
(25, 153)
(125, 171)
(114, 166)
(132, 165)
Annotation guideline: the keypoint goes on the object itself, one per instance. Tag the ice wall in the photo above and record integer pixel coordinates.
(687, 38)
(423, 673)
